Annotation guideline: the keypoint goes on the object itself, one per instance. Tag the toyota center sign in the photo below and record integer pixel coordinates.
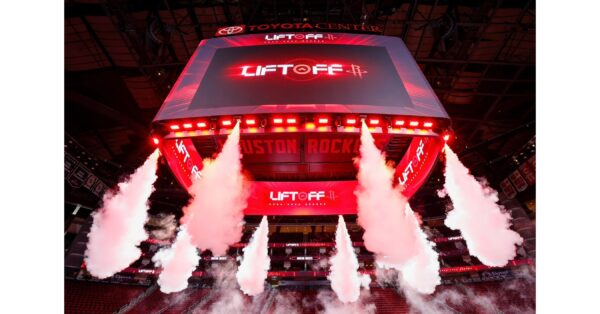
(298, 27)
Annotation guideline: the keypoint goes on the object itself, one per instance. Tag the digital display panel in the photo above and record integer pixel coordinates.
(300, 74)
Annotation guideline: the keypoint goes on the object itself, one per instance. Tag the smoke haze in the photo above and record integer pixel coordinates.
(165, 226)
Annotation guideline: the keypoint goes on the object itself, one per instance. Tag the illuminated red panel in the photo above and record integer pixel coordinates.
(183, 159)
(278, 120)
(301, 198)
(226, 122)
(428, 124)
(323, 120)
(201, 124)
(174, 127)
(351, 121)
(414, 123)
(419, 159)
(187, 125)
(399, 122)
(291, 120)
(251, 121)
(373, 121)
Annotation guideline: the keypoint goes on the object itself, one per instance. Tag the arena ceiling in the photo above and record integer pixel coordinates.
(122, 58)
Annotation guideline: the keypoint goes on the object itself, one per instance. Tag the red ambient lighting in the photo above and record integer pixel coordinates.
(428, 124)
(323, 120)
(201, 124)
(291, 120)
(174, 127)
(446, 137)
(350, 121)
(277, 120)
(155, 140)
(373, 121)
(226, 122)
(414, 123)
(250, 122)
(187, 125)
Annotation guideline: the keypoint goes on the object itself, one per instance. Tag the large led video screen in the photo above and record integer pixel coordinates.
(300, 74)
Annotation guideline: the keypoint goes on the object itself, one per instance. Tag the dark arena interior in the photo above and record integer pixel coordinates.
(300, 85)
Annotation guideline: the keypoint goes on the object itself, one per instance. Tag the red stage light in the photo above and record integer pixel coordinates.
(226, 122)
(174, 126)
(428, 124)
(374, 121)
(277, 120)
(414, 123)
(155, 140)
(201, 124)
(187, 125)
(350, 121)
(291, 120)
(323, 120)
(446, 137)
(250, 122)
(399, 122)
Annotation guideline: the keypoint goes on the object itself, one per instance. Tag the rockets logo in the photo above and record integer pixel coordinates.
(356, 70)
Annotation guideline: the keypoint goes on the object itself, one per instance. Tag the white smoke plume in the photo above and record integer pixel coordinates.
(439, 303)
(223, 274)
(166, 226)
(365, 281)
(484, 224)
(511, 296)
(392, 231)
(255, 265)
(118, 226)
(215, 215)
(286, 302)
(333, 305)
(422, 271)
(227, 296)
(321, 264)
(177, 262)
(344, 276)
(229, 301)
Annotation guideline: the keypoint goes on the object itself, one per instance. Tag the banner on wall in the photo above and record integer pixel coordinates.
(519, 182)
(508, 189)
(78, 175)
(528, 173)
(302, 198)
